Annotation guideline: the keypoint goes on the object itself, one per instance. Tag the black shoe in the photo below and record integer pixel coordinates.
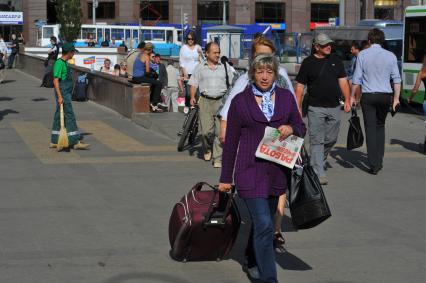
(374, 171)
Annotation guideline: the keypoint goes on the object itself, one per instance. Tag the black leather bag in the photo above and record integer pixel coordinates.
(2, 64)
(308, 205)
(355, 137)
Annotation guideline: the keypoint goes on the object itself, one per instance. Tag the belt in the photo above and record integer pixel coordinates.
(211, 97)
(381, 93)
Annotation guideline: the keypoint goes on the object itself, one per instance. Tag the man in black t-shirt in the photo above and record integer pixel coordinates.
(15, 50)
(325, 76)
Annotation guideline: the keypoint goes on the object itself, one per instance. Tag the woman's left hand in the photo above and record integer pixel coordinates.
(286, 131)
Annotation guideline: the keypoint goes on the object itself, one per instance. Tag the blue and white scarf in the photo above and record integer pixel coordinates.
(267, 105)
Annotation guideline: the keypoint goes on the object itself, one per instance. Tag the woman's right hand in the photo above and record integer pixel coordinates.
(60, 100)
(224, 187)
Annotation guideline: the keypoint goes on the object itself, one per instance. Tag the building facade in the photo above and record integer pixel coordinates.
(293, 15)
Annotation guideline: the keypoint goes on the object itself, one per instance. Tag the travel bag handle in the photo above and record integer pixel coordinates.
(207, 217)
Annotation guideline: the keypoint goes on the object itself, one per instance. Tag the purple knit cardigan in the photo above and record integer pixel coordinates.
(254, 177)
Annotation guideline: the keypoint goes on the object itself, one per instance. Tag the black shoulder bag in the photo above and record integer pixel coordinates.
(305, 101)
(308, 205)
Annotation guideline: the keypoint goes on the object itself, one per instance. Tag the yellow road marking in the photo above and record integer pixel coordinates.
(36, 136)
(118, 141)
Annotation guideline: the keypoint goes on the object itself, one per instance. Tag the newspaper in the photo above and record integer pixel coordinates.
(283, 152)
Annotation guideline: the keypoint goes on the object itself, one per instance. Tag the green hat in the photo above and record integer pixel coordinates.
(68, 47)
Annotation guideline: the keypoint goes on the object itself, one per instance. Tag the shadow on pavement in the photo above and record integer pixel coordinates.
(350, 159)
(8, 81)
(407, 145)
(6, 112)
(39, 99)
(285, 259)
(145, 277)
(5, 98)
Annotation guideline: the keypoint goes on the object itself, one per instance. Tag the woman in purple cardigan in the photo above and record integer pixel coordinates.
(259, 182)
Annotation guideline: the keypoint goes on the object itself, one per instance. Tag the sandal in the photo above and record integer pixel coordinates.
(279, 240)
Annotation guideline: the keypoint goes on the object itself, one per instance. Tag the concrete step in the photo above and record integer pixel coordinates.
(167, 124)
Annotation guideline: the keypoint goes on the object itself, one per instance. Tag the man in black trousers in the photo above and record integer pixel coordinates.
(375, 68)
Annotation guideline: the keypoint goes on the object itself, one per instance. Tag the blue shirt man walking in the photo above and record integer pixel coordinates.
(375, 68)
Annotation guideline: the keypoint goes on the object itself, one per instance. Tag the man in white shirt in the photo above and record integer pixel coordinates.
(210, 77)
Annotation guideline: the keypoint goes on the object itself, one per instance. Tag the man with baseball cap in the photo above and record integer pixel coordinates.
(325, 76)
(63, 84)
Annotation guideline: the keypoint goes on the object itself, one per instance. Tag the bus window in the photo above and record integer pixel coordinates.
(169, 37)
(47, 32)
(158, 35)
(117, 34)
(107, 34)
(135, 34)
(394, 46)
(147, 34)
(179, 36)
(87, 31)
(127, 33)
(415, 39)
(99, 34)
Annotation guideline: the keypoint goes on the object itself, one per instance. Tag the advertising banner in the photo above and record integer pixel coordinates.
(11, 18)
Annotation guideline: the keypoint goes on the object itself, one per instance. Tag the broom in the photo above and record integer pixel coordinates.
(63, 136)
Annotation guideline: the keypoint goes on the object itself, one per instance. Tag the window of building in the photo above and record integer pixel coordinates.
(384, 9)
(155, 10)
(212, 11)
(383, 13)
(270, 12)
(323, 12)
(105, 10)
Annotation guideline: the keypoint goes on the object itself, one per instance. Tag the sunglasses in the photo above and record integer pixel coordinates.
(325, 45)
(189, 38)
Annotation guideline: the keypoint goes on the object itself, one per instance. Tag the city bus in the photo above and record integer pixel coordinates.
(344, 36)
(414, 48)
(163, 37)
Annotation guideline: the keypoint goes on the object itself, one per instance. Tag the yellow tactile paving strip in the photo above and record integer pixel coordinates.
(116, 140)
(36, 137)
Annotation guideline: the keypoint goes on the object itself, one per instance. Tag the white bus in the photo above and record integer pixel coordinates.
(414, 49)
(164, 38)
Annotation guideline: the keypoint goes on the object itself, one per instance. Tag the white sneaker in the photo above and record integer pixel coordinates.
(253, 272)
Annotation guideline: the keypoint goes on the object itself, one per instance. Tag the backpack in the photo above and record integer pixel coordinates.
(80, 89)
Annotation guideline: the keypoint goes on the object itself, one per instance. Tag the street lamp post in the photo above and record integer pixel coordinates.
(94, 6)
(224, 13)
(342, 13)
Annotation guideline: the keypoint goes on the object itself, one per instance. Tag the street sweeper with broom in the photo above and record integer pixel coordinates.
(65, 133)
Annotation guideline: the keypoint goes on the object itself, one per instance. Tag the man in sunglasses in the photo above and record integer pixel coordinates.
(326, 78)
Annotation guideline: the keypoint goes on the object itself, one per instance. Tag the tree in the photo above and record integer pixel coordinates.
(69, 14)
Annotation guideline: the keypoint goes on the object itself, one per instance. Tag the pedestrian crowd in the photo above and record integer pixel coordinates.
(235, 110)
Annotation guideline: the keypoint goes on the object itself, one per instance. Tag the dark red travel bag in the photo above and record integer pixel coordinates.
(203, 225)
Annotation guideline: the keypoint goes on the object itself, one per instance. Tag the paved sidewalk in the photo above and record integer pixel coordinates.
(101, 216)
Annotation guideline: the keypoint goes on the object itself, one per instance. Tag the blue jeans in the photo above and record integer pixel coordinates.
(11, 59)
(260, 249)
(424, 107)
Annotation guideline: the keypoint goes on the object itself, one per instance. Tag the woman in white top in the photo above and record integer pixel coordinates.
(3, 53)
(189, 57)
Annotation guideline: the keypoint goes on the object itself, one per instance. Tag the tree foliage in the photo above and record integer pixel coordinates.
(69, 14)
